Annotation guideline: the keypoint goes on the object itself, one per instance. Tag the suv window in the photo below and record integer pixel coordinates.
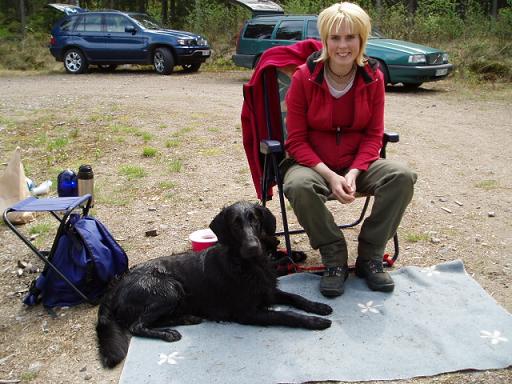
(116, 23)
(67, 25)
(259, 31)
(312, 30)
(89, 23)
(290, 30)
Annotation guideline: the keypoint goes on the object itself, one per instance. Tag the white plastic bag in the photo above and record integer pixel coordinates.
(13, 188)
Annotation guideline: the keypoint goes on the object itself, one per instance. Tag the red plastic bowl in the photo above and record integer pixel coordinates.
(202, 239)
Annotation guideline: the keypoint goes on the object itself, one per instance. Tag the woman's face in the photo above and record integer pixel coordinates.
(343, 46)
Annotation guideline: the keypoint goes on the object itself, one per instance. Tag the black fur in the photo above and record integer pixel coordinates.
(232, 281)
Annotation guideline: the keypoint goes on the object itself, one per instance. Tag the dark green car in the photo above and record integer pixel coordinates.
(401, 61)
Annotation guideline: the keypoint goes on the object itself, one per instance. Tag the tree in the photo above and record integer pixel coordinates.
(23, 19)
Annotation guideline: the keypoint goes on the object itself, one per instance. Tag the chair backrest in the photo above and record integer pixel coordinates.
(277, 90)
(264, 109)
(284, 80)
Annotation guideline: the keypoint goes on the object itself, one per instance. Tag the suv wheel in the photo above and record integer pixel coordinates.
(163, 61)
(191, 67)
(75, 62)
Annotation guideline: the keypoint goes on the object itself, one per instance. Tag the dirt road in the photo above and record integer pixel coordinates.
(458, 140)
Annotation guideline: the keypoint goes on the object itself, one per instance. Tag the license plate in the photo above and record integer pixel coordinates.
(441, 72)
(207, 52)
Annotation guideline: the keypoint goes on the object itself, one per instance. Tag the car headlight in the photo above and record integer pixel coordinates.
(201, 41)
(184, 42)
(445, 57)
(417, 59)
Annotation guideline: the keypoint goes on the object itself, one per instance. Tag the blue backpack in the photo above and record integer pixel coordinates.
(89, 257)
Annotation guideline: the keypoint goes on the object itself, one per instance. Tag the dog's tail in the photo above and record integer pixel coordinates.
(113, 340)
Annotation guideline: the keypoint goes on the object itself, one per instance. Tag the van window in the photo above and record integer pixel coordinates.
(312, 30)
(290, 30)
(259, 31)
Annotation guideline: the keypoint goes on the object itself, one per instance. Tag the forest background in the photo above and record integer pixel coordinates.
(476, 34)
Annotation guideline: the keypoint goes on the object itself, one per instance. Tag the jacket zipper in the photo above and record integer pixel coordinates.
(338, 134)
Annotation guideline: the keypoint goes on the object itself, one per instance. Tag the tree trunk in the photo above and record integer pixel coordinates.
(411, 6)
(165, 15)
(23, 19)
(494, 9)
(173, 11)
(378, 5)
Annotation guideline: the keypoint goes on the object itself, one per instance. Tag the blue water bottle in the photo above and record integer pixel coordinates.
(67, 184)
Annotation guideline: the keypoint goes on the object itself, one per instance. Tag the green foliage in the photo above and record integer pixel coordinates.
(503, 25)
(478, 45)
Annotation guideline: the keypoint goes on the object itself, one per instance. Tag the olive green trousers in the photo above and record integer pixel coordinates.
(390, 182)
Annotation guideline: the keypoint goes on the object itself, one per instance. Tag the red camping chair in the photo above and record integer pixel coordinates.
(264, 134)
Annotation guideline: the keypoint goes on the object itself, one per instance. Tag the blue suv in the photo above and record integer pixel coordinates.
(110, 38)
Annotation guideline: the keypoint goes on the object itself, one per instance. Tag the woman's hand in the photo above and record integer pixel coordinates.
(351, 177)
(341, 188)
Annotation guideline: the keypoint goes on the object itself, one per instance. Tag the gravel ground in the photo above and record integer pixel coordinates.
(458, 139)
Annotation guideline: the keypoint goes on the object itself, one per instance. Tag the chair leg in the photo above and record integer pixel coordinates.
(282, 203)
(389, 261)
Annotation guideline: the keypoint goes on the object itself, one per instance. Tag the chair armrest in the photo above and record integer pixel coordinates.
(391, 137)
(270, 146)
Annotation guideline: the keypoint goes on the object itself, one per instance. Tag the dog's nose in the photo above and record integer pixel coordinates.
(252, 248)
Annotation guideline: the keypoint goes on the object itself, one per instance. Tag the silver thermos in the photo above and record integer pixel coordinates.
(85, 178)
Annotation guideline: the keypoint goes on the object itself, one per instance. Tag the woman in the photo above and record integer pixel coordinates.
(335, 124)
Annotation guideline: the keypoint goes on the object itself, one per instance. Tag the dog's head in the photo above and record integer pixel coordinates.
(246, 226)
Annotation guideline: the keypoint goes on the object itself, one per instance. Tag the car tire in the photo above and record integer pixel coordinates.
(107, 68)
(385, 72)
(191, 67)
(163, 61)
(75, 61)
(411, 86)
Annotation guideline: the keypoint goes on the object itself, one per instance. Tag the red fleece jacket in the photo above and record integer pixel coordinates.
(312, 135)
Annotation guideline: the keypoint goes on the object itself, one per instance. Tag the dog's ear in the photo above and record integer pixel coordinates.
(268, 220)
(219, 227)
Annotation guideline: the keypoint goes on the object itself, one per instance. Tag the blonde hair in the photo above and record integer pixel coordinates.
(357, 20)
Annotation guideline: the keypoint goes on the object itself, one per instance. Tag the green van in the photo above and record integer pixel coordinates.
(401, 61)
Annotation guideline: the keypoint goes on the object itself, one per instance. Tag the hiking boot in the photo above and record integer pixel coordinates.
(333, 280)
(373, 272)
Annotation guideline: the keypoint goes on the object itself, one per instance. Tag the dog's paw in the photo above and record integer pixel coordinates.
(321, 309)
(170, 335)
(318, 323)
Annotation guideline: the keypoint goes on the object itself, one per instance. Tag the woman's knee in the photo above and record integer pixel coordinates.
(404, 179)
(302, 184)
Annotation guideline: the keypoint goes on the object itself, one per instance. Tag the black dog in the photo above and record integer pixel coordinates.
(231, 281)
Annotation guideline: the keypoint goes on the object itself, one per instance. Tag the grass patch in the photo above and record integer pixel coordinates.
(416, 237)
(146, 136)
(182, 132)
(149, 152)
(28, 376)
(487, 184)
(121, 128)
(172, 143)
(167, 185)
(212, 152)
(132, 171)
(175, 166)
(40, 229)
(57, 144)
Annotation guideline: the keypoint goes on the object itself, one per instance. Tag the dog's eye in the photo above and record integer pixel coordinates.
(252, 218)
